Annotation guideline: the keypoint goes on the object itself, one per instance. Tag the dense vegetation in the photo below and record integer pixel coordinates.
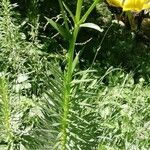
(64, 85)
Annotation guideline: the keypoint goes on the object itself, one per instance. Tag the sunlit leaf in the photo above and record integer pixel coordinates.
(92, 26)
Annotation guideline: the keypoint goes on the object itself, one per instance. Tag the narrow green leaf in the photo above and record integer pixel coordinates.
(75, 61)
(81, 81)
(83, 19)
(69, 11)
(64, 32)
(92, 26)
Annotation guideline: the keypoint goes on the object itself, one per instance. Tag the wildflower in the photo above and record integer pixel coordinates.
(130, 5)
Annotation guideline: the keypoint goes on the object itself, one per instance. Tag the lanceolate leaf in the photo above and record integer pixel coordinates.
(92, 26)
(69, 11)
(64, 32)
(75, 61)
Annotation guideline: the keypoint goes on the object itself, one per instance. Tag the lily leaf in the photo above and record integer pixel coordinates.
(75, 61)
(62, 31)
(92, 26)
(69, 11)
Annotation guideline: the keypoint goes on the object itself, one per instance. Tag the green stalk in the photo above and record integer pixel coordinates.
(78, 10)
(67, 87)
(6, 109)
(8, 44)
(68, 78)
(69, 72)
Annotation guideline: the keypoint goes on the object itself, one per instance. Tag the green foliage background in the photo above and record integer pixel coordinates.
(109, 108)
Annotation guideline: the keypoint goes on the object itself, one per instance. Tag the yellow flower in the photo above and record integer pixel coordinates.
(132, 5)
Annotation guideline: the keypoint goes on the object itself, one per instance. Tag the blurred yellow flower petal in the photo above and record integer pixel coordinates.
(115, 3)
(132, 5)
(147, 5)
(136, 5)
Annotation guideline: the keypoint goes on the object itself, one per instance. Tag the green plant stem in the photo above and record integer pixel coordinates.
(69, 72)
(6, 109)
(68, 77)
(67, 87)
(78, 10)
